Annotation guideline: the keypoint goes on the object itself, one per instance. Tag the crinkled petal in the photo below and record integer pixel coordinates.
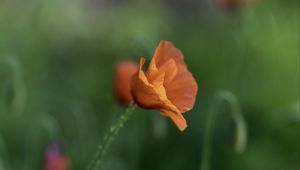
(182, 91)
(177, 118)
(145, 94)
(153, 96)
(164, 52)
(168, 69)
(181, 87)
(150, 95)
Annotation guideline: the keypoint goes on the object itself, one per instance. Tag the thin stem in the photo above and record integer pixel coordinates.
(109, 137)
(15, 100)
(241, 127)
(206, 153)
(4, 154)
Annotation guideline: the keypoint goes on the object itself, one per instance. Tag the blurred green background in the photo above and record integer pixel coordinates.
(57, 61)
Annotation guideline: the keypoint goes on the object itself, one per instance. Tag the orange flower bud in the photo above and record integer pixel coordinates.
(123, 77)
(167, 85)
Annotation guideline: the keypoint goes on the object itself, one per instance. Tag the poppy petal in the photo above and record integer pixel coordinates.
(144, 93)
(182, 88)
(150, 95)
(177, 118)
(166, 51)
(168, 69)
(182, 91)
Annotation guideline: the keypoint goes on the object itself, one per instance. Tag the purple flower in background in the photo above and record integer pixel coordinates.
(55, 160)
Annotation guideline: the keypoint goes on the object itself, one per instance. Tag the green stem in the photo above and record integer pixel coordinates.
(241, 127)
(206, 153)
(109, 137)
(3, 154)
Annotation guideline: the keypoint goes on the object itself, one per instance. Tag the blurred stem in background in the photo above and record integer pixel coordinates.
(109, 137)
(240, 128)
(15, 90)
(4, 162)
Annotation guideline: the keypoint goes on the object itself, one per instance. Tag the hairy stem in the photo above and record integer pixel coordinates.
(109, 137)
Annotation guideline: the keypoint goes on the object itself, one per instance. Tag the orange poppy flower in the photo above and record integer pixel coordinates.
(123, 76)
(167, 85)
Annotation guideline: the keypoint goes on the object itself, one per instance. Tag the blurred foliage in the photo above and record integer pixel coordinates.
(56, 69)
